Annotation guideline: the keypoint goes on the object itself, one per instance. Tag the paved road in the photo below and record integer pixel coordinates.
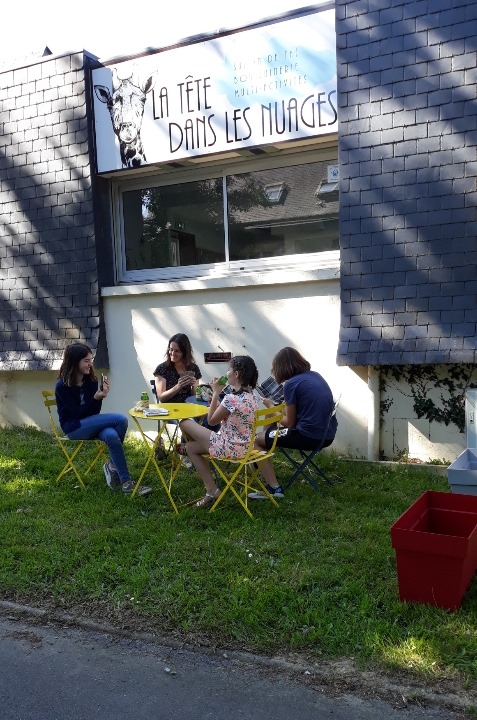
(54, 672)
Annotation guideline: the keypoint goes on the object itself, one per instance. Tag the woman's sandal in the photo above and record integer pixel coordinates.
(207, 499)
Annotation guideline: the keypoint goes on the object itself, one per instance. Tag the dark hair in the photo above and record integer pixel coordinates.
(246, 369)
(69, 365)
(287, 363)
(185, 347)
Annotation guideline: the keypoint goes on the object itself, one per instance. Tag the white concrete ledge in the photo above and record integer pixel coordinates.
(270, 277)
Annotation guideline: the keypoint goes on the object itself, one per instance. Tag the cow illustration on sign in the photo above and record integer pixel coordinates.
(126, 108)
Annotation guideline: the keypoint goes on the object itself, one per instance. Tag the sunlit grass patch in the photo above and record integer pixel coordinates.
(412, 653)
(10, 463)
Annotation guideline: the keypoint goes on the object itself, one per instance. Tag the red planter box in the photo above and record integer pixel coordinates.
(436, 548)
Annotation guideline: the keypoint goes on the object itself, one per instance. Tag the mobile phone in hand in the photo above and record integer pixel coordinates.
(188, 375)
(101, 385)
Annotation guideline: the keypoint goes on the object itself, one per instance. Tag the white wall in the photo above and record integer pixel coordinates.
(403, 433)
(256, 317)
(21, 402)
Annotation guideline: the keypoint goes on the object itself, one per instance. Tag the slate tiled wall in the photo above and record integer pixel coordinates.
(48, 270)
(407, 84)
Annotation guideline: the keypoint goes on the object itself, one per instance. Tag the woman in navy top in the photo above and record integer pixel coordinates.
(306, 423)
(78, 400)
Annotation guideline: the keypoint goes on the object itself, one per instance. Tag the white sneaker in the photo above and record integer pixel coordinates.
(276, 492)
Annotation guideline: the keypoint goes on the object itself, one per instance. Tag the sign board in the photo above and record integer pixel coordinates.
(269, 84)
(217, 357)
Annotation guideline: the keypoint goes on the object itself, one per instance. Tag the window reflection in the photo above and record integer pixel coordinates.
(270, 213)
(287, 217)
(174, 225)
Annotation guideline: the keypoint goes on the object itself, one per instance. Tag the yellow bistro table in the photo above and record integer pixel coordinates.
(175, 412)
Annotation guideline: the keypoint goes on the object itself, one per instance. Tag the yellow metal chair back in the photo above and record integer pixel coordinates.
(247, 469)
(69, 448)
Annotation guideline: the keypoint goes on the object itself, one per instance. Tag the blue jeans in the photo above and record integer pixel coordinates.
(111, 428)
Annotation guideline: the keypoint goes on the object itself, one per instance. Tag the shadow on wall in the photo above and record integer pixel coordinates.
(408, 278)
(257, 321)
(51, 296)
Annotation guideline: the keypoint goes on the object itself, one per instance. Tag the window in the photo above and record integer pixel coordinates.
(260, 228)
(327, 187)
(192, 222)
(275, 193)
(174, 225)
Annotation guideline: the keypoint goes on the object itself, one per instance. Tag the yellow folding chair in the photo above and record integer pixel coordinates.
(65, 443)
(247, 469)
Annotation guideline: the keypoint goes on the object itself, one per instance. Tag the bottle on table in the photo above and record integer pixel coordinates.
(144, 399)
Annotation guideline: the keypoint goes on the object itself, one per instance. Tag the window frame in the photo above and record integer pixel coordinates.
(206, 169)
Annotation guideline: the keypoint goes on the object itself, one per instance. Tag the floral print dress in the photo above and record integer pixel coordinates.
(234, 435)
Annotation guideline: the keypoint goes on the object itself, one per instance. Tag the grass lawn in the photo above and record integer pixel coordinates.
(317, 576)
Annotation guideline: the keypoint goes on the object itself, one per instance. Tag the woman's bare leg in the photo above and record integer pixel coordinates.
(197, 447)
(260, 441)
(266, 467)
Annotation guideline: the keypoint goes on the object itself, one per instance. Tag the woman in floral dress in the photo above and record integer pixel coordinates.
(235, 413)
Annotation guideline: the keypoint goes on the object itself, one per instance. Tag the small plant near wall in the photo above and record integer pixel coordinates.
(451, 380)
